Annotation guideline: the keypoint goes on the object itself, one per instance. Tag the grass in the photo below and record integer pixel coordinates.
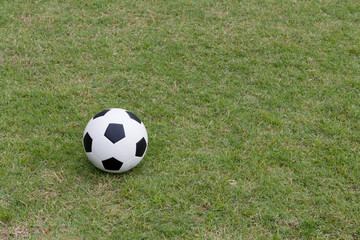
(252, 109)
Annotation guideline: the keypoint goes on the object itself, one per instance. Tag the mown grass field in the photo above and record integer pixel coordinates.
(252, 110)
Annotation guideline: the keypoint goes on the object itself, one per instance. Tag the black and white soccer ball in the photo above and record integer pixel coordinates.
(115, 140)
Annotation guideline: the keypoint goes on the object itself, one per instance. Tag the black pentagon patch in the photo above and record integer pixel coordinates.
(140, 147)
(115, 132)
(87, 142)
(112, 164)
(102, 113)
(133, 116)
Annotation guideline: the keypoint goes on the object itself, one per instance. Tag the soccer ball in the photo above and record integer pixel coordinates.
(115, 140)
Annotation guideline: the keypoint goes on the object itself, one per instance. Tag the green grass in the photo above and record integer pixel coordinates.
(252, 110)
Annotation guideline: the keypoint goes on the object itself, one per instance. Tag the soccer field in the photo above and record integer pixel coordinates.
(252, 109)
